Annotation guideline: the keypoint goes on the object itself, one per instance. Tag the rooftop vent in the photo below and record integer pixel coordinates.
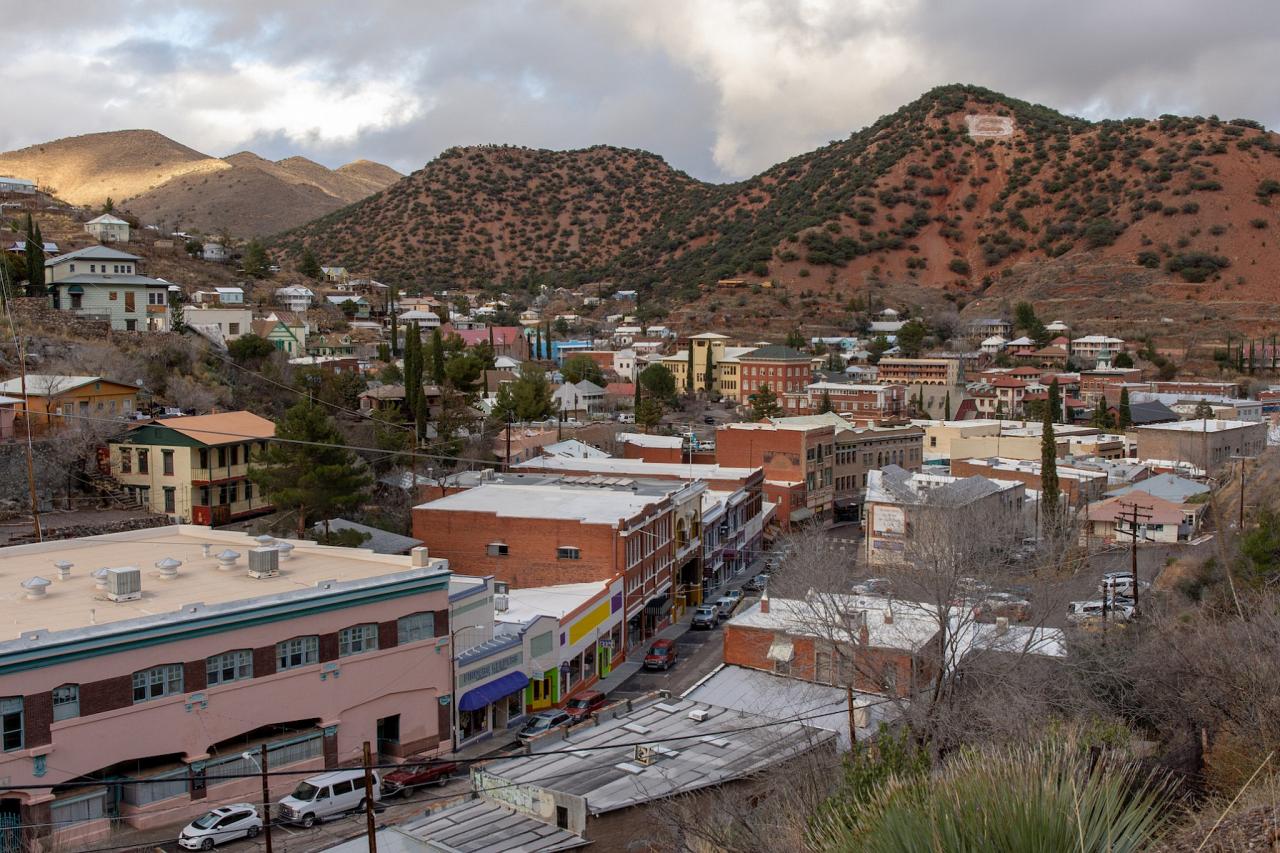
(36, 587)
(637, 728)
(645, 754)
(227, 560)
(100, 578)
(501, 602)
(124, 584)
(64, 569)
(168, 568)
(265, 540)
(419, 557)
(205, 548)
(699, 715)
(284, 549)
(264, 562)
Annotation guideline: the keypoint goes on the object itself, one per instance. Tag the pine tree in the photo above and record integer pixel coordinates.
(35, 259)
(1048, 469)
(317, 477)
(310, 266)
(764, 403)
(688, 371)
(1101, 417)
(824, 402)
(709, 378)
(412, 369)
(421, 415)
(437, 356)
(946, 407)
(392, 296)
(255, 261)
(1055, 401)
(177, 316)
(1125, 413)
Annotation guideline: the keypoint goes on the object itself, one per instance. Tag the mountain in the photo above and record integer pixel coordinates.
(961, 191)
(161, 181)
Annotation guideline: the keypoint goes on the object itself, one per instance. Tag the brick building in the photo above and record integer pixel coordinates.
(919, 371)
(1205, 443)
(1094, 383)
(550, 532)
(1078, 486)
(798, 462)
(783, 369)
(861, 405)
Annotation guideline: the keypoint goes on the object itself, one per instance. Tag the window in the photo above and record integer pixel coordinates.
(498, 549)
(157, 682)
(233, 328)
(170, 499)
(166, 457)
(131, 325)
(142, 462)
(204, 457)
(357, 639)
(229, 666)
(248, 491)
(126, 461)
(222, 457)
(66, 702)
(565, 552)
(11, 723)
(415, 627)
(129, 304)
(77, 300)
(300, 651)
(155, 298)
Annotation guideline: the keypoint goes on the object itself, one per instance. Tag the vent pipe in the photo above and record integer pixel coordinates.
(205, 548)
(265, 540)
(100, 578)
(284, 549)
(227, 560)
(168, 568)
(64, 569)
(419, 557)
(36, 587)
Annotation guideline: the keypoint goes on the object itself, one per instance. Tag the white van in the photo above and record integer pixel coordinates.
(327, 795)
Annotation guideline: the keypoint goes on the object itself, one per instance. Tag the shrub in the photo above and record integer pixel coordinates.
(1258, 223)
(959, 266)
(1196, 267)
(1101, 232)
(1150, 260)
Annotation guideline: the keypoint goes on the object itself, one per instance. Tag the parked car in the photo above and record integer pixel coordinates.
(705, 616)
(873, 586)
(1120, 582)
(725, 605)
(584, 705)
(756, 584)
(326, 795)
(225, 823)
(707, 419)
(1080, 612)
(406, 777)
(734, 595)
(541, 722)
(661, 655)
(1004, 604)
(626, 418)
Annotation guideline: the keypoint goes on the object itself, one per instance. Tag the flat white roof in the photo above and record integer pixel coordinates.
(588, 504)
(637, 468)
(910, 624)
(77, 602)
(557, 601)
(1199, 425)
(640, 439)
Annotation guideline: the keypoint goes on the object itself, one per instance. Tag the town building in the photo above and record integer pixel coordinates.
(578, 398)
(17, 185)
(291, 340)
(295, 298)
(652, 448)
(8, 415)
(1097, 350)
(134, 691)
(194, 469)
(860, 405)
(798, 462)
(101, 283)
(919, 371)
(985, 327)
(895, 497)
(625, 789)
(1095, 383)
(489, 668)
(998, 397)
(220, 325)
(52, 401)
(783, 369)
(1206, 444)
(1196, 388)
(558, 531)
(108, 229)
(1077, 486)
(214, 252)
(1159, 520)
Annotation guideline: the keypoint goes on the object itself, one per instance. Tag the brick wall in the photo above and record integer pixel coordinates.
(653, 454)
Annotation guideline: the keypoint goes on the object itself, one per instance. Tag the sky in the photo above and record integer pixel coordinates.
(720, 88)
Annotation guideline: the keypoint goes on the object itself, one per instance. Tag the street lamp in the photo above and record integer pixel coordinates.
(266, 793)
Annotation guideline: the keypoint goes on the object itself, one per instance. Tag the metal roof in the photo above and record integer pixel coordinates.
(380, 541)
(726, 745)
(475, 826)
(92, 253)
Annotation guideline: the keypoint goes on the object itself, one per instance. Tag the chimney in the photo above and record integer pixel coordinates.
(420, 557)
(888, 616)
(764, 602)
(864, 633)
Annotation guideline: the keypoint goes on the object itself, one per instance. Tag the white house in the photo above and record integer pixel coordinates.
(17, 185)
(108, 229)
(220, 325)
(624, 364)
(584, 397)
(295, 298)
(103, 283)
(994, 345)
(335, 275)
(215, 252)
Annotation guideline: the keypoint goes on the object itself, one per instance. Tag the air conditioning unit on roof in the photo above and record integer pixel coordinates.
(124, 584)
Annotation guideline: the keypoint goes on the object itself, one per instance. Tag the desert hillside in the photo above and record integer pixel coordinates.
(168, 184)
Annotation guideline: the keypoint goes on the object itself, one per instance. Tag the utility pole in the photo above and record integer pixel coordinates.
(370, 826)
(266, 800)
(853, 718)
(506, 463)
(1133, 516)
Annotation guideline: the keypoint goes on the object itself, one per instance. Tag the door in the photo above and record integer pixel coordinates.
(129, 303)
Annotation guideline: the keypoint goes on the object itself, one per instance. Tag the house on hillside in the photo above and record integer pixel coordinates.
(194, 469)
(101, 283)
(581, 398)
(55, 401)
(214, 252)
(295, 298)
(17, 185)
(335, 275)
(361, 309)
(108, 229)
(281, 336)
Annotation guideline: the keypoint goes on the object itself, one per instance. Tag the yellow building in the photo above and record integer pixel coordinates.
(194, 469)
(724, 365)
(56, 401)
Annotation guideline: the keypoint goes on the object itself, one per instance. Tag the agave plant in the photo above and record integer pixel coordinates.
(1044, 797)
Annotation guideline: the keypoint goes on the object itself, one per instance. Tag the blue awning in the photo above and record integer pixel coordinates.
(487, 694)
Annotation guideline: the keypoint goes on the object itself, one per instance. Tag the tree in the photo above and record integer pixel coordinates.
(109, 205)
(688, 371)
(1125, 413)
(177, 315)
(392, 298)
(464, 372)
(317, 477)
(1024, 316)
(911, 338)
(582, 367)
(310, 266)
(1123, 360)
(528, 398)
(412, 368)
(709, 377)
(1101, 416)
(562, 327)
(795, 340)
(1055, 401)
(1204, 410)
(824, 402)
(391, 434)
(437, 356)
(250, 349)
(1049, 467)
(649, 413)
(537, 349)
(946, 407)
(764, 403)
(35, 259)
(659, 384)
(877, 348)
(255, 260)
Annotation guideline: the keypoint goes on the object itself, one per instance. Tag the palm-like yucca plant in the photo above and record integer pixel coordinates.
(1042, 798)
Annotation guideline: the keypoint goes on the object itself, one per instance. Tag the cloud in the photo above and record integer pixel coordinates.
(721, 88)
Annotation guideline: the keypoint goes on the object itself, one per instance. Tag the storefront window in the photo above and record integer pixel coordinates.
(515, 705)
(589, 662)
(472, 723)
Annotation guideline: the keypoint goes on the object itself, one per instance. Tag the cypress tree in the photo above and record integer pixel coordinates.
(395, 331)
(710, 377)
(688, 371)
(437, 356)
(1048, 469)
(412, 369)
(537, 349)
(1125, 413)
(35, 259)
(1055, 401)
(946, 407)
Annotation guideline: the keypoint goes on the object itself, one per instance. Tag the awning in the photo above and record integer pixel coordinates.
(658, 606)
(801, 514)
(487, 694)
(781, 650)
(75, 288)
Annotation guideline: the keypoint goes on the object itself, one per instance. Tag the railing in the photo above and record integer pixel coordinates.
(79, 809)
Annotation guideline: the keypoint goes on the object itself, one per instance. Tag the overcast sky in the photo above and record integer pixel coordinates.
(721, 89)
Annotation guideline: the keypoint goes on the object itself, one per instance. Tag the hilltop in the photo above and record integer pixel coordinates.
(963, 191)
(164, 182)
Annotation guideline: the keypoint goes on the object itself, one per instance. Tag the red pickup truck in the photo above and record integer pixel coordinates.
(408, 776)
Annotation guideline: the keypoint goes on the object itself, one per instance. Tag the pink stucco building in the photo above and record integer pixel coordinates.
(193, 647)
